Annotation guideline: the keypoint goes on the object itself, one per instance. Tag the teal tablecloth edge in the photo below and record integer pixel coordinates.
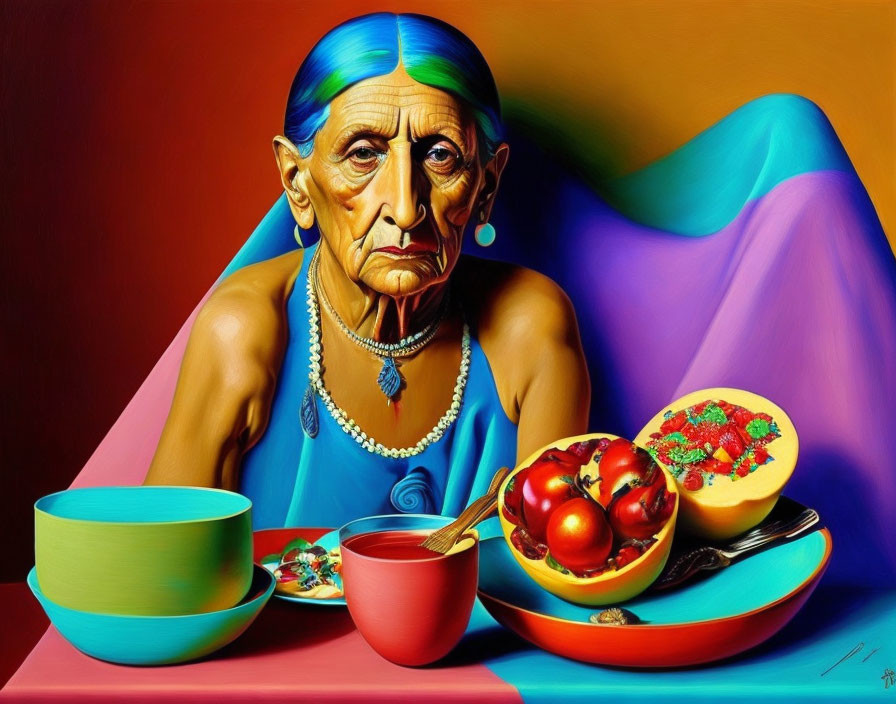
(836, 621)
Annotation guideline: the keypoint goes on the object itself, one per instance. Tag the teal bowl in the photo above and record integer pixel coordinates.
(156, 640)
(144, 550)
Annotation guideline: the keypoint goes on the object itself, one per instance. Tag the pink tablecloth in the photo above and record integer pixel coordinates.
(290, 654)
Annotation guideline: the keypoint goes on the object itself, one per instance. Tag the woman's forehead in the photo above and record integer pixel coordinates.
(379, 104)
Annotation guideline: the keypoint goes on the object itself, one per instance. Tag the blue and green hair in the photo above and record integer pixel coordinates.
(431, 51)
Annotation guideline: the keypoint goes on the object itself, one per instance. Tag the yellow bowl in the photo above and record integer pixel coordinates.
(143, 550)
(610, 587)
(730, 507)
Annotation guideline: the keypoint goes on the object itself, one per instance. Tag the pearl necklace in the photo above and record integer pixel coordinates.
(308, 411)
(389, 379)
(405, 347)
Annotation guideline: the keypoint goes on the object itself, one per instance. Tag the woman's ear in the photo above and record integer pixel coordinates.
(293, 169)
(492, 178)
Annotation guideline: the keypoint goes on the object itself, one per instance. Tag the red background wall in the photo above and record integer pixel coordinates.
(136, 158)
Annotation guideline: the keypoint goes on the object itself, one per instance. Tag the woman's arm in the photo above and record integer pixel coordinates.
(554, 389)
(227, 380)
(527, 327)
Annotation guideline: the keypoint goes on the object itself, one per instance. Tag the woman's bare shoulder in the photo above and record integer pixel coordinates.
(245, 313)
(521, 318)
(514, 303)
(268, 280)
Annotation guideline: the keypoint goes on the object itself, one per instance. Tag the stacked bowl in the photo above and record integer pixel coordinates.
(147, 575)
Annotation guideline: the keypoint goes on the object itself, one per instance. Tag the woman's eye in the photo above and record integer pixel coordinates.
(364, 157)
(442, 158)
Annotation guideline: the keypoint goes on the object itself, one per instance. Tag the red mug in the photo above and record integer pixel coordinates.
(412, 605)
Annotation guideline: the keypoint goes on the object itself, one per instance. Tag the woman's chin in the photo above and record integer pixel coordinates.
(402, 278)
(402, 281)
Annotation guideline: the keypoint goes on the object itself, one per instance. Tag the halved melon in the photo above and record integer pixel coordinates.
(609, 587)
(731, 452)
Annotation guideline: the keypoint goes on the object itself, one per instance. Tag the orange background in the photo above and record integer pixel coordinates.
(136, 157)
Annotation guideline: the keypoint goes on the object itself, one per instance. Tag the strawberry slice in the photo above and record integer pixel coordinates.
(708, 433)
(674, 424)
(732, 443)
(742, 416)
(744, 436)
(691, 431)
(727, 408)
(717, 466)
(693, 480)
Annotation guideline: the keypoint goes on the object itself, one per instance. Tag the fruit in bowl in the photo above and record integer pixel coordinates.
(731, 453)
(590, 518)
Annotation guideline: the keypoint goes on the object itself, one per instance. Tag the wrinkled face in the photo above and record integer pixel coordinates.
(393, 178)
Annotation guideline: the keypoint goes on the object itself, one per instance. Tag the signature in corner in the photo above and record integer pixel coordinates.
(889, 678)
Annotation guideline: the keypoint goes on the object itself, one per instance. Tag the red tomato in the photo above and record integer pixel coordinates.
(579, 537)
(626, 556)
(546, 486)
(514, 496)
(621, 462)
(641, 512)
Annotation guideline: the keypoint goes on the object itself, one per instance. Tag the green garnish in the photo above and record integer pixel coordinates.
(714, 414)
(680, 455)
(298, 543)
(758, 428)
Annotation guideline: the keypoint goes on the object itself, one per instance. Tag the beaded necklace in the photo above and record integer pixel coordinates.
(308, 411)
(389, 378)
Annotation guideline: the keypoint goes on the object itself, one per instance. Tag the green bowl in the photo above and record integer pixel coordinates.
(144, 550)
(156, 640)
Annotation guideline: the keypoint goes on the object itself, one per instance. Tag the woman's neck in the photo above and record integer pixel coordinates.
(372, 314)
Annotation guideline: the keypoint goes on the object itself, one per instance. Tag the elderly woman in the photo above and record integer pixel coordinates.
(380, 369)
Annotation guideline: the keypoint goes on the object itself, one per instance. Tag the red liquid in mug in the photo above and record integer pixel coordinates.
(411, 604)
(392, 545)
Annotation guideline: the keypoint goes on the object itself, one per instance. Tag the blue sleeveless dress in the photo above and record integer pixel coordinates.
(328, 480)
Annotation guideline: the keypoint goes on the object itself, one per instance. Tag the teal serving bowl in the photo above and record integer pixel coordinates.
(144, 550)
(156, 640)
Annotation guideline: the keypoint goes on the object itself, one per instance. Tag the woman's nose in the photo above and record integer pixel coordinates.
(401, 197)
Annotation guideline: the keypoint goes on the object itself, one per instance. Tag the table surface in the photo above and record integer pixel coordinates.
(840, 647)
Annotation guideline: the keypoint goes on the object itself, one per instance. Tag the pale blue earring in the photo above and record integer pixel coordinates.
(485, 233)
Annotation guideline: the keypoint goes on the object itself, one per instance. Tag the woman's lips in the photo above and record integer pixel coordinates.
(412, 248)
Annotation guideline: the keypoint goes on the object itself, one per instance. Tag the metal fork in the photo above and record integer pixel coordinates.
(444, 538)
(713, 558)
